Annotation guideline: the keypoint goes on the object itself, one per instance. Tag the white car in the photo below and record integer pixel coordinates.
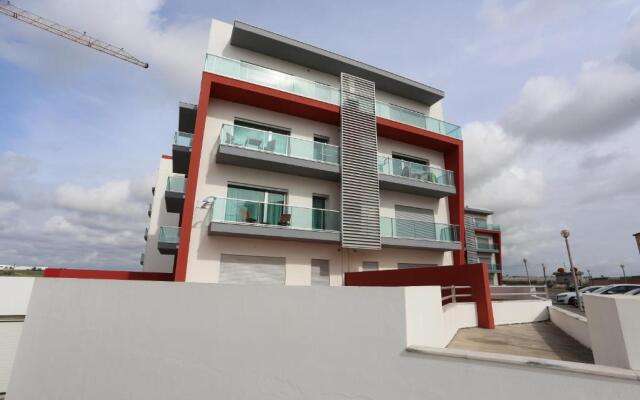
(620, 288)
(570, 297)
(634, 292)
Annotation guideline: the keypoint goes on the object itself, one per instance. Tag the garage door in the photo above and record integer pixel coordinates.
(238, 269)
(413, 222)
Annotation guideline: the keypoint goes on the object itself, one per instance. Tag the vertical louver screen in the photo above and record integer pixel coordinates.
(470, 240)
(360, 191)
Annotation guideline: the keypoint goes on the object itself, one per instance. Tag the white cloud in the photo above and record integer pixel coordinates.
(500, 15)
(113, 197)
(603, 100)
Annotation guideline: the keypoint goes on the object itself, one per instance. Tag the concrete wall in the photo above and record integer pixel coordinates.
(572, 324)
(614, 329)
(520, 311)
(457, 316)
(153, 260)
(15, 293)
(153, 340)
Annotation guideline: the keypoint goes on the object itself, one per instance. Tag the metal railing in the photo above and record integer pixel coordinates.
(274, 79)
(271, 142)
(484, 225)
(182, 139)
(169, 234)
(519, 293)
(494, 268)
(273, 214)
(412, 229)
(417, 119)
(176, 183)
(455, 293)
(420, 172)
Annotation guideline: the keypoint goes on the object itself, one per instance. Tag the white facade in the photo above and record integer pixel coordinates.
(205, 251)
(153, 260)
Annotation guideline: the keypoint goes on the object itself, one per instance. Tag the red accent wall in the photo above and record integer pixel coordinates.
(106, 274)
(474, 275)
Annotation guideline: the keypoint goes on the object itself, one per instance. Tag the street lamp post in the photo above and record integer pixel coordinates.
(544, 274)
(637, 236)
(624, 276)
(565, 234)
(524, 260)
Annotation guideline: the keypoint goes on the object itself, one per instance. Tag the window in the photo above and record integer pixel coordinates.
(256, 205)
(320, 272)
(369, 266)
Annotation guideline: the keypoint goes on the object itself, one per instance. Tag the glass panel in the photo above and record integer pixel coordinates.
(176, 183)
(410, 229)
(182, 139)
(169, 234)
(277, 214)
(418, 119)
(255, 139)
(420, 172)
(271, 78)
(318, 217)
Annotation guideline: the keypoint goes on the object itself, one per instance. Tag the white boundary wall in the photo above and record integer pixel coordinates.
(104, 340)
(520, 311)
(572, 324)
(15, 293)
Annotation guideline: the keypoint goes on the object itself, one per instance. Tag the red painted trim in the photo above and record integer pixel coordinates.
(180, 273)
(105, 274)
(474, 275)
(416, 136)
(454, 161)
(166, 157)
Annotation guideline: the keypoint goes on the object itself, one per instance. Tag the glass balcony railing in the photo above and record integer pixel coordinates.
(176, 183)
(486, 246)
(259, 140)
(417, 119)
(494, 268)
(169, 234)
(410, 229)
(273, 214)
(183, 139)
(420, 172)
(484, 225)
(271, 78)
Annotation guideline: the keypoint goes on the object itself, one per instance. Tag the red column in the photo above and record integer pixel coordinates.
(453, 160)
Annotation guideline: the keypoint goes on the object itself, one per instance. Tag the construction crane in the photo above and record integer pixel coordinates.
(25, 16)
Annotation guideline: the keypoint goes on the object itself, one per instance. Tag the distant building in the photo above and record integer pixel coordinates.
(483, 241)
(566, 277)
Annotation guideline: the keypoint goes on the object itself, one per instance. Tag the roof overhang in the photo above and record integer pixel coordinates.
(482, 211)
(263, 41)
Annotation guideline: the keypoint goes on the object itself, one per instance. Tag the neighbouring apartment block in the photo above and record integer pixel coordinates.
(483, 241)
(298, 165)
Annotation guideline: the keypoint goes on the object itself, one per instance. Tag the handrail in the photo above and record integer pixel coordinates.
(454, 295)
(415, 118)
(412, 229)
(426, 173)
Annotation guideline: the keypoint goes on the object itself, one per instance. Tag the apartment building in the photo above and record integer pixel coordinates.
(298, 165)
(483, 241)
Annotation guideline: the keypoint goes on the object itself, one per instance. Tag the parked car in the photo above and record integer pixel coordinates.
(634, 292)
(620, 288)
(570, 297)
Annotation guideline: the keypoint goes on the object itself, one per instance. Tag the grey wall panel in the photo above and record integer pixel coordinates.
(359, 167)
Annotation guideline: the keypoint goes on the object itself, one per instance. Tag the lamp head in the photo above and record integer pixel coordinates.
(564, 233)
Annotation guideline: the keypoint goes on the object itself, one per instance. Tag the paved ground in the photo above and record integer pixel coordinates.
(541, 339)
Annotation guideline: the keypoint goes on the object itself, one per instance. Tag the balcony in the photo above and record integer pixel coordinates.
(235, 217)
(410, 177)
(270, 78)
(406, 233)
(417, 119)
(146, 233)
(181, 152)
(254, 148)
(141, 258)
(487, 247)
(174, 193)
(150, 209)
(168, 239)
(483, 225)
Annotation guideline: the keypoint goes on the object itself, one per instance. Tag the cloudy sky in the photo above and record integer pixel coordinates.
(548, 93)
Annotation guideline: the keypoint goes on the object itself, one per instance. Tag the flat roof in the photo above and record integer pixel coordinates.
(475, 210)
(273, 44)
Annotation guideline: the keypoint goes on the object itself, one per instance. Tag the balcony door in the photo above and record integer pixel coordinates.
(256, 205)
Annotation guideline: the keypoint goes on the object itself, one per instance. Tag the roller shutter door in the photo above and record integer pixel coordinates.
(413, 222)
(238, 269)
(320, 272)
